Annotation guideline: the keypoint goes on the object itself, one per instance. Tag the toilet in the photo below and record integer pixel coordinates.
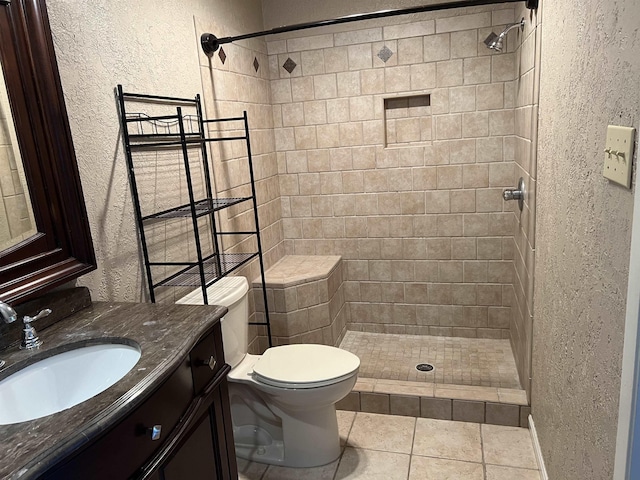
(283, 401)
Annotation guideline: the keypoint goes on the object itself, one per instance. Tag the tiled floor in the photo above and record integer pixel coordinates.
(389, 447)
(460, 361)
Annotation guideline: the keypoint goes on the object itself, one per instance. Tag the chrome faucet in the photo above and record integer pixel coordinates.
(9, 315)
(30, 338)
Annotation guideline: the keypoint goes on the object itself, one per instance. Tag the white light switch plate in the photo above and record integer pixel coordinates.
(618, 154)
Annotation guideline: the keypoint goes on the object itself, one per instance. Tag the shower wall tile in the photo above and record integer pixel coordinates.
(463, 22)
(490, 96)
(309, 43)
(426, 239)
(358, 36)
(449, 73)
(464, 44)
(477, 70)
(502, 67)
(413, 29)
(502, 17)
(526, 61)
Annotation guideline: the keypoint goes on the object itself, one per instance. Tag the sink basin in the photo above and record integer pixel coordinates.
(64, 380)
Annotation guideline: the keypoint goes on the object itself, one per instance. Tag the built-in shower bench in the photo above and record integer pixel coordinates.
(306, 300)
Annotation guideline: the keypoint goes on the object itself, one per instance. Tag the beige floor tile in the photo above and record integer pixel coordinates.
(447, 439)
(326, 472)
(495, 472)
(250, 470)
(345, 421)
(509, 446)
(389, 433)
(362, 464)
(426, 468)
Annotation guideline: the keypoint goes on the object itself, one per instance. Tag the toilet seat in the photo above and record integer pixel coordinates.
(304, 366)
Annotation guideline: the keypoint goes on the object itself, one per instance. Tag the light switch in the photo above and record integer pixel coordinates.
(618, 154)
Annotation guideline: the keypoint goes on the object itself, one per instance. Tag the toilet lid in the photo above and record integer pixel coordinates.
(304, 365)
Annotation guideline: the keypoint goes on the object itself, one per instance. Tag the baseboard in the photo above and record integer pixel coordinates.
(536, 449)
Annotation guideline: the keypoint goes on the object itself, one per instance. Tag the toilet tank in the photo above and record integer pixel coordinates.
(230, 292)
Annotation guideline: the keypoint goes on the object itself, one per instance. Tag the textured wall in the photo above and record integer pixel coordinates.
(149, 47)
(590, 69)
(413, 204)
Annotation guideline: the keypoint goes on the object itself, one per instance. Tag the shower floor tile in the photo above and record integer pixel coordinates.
(460, 361)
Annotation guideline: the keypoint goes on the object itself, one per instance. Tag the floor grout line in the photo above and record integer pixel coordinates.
(484, 464)
(413, 442)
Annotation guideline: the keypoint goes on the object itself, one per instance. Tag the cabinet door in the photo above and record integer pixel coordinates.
(196, 459)
(121, 452)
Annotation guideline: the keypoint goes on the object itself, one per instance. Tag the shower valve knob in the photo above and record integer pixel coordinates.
(510, 194)
(516, 193)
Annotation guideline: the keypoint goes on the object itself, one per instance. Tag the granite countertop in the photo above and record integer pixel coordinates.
(165, 334)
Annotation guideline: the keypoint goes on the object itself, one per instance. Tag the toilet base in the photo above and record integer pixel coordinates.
(312, 440)
(257, 445)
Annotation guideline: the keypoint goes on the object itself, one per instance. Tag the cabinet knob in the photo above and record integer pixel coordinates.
(211, 363)
(155, 431)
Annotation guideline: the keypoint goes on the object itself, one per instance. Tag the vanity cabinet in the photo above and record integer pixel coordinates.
(181, 431)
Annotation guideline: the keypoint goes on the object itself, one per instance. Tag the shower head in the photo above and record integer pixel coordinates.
(490, 40)
(496, 42)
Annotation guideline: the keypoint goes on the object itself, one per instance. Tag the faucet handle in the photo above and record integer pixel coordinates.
(44, 313)
(30, 339)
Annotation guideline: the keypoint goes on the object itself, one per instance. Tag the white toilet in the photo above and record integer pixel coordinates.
(282, 402)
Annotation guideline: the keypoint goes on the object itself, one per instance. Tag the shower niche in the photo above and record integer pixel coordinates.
(407, 120)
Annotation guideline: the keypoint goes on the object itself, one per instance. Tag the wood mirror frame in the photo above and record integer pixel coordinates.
(62, 249)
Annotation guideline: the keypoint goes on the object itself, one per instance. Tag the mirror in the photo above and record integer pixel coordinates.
(16, 213)
(58, 248)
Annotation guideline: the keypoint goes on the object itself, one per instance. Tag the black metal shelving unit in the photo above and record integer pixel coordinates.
(183, 132)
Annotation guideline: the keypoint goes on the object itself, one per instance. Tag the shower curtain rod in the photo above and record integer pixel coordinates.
(210, 43)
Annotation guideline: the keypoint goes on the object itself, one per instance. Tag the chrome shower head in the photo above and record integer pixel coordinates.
(490, 41)
(496, 42)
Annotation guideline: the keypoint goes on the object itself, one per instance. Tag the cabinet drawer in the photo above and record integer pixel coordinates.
(207, 358)
(126, 447)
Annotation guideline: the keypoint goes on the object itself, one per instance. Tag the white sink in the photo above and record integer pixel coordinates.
(64, 380)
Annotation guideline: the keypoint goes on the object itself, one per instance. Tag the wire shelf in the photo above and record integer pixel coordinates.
(143, 126)
(202, 207)
(190, 276)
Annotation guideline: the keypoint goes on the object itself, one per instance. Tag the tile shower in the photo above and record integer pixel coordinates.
(421, 227)
(393, 142)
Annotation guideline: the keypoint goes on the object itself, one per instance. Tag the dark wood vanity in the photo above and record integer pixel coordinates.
(179, 386)
(195, 440)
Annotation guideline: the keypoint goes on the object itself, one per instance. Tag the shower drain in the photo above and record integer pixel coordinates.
(424, 367)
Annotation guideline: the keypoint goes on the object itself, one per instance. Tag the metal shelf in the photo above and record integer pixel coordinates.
(185, 133)
(214, 268)
(201, 208)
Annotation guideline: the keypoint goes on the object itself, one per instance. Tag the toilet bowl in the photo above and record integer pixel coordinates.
(283, 401)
